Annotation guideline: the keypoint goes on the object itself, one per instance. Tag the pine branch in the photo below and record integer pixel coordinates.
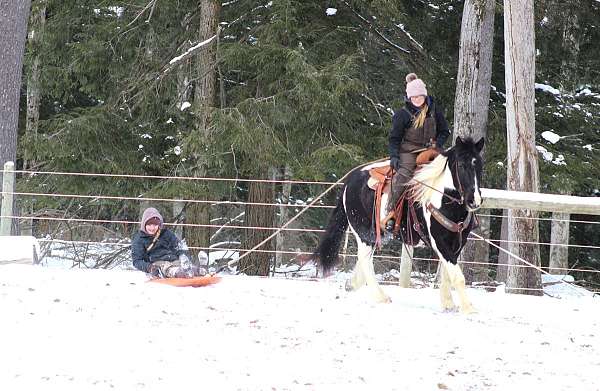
(371, 27)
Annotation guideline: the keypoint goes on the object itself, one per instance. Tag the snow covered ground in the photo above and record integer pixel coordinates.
(81, 329)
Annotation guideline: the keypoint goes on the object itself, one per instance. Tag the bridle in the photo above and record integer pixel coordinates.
(448, 224)
(460, 189)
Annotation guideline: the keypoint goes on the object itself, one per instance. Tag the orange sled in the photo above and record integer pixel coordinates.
(194, 281)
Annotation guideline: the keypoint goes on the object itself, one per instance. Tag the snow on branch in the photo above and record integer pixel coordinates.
(188, 53)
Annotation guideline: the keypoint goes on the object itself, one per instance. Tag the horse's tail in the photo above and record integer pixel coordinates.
(326, 255)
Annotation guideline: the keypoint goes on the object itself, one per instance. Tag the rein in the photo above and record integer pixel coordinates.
(452, 198)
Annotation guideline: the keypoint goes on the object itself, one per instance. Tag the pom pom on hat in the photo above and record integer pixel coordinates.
(410, 77)
(415, 86)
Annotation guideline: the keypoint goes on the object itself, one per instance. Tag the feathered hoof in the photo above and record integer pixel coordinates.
(384, 299)
(348, 286)
(450, 310)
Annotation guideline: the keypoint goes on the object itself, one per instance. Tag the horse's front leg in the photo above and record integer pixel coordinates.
(452, 277)
(445, 285)
(457, 279)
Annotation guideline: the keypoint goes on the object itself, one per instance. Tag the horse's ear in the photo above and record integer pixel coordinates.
(459, 142)
(479, 145)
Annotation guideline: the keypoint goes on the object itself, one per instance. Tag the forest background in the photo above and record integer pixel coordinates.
(300, 89)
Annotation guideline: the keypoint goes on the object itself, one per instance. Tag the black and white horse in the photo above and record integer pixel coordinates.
(446, 193)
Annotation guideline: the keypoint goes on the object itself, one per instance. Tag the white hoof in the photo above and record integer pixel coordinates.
(348, 286)
(451, 309)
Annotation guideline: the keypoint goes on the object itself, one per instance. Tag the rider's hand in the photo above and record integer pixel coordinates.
(395, 163)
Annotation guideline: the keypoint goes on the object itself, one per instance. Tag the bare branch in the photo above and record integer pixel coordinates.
(149, 5)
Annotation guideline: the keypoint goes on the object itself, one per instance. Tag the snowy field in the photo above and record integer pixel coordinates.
(80, 329)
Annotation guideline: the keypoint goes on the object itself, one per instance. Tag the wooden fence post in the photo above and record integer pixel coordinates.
(405, 266)
(8, 187)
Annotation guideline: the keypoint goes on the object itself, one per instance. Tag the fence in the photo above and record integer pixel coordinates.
(493, 200)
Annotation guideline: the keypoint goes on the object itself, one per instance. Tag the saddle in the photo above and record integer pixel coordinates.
(380, 180)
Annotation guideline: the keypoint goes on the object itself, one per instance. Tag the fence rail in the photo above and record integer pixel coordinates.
(503, 199)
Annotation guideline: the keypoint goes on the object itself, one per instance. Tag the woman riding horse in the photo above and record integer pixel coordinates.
(417, 126)
(444, 194)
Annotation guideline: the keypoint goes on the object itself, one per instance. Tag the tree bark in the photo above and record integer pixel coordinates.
(522, 175)
(559, 253)
(204, 103)
(286, 189)
(13, 32)
(473, 95)
(37, 22)
(258, 263)
(502, 269)
(559, 236)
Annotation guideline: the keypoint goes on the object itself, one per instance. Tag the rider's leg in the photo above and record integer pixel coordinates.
(399, 181)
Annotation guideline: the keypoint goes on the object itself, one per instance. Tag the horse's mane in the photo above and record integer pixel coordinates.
(432, 175)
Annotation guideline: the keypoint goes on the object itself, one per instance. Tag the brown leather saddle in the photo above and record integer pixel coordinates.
(380, 180)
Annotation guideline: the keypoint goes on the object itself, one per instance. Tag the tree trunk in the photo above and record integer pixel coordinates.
(559, 236)
(502, 269)
(36, 28)
(206, 86)
(286, 189)
(523, 175)
(478, 271)
(258, 263)
(569, 75)
(204, 103)
(473, 95)
(559, 253)
(13, 32)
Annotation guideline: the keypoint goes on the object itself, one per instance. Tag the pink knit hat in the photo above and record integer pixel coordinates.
(414, 86)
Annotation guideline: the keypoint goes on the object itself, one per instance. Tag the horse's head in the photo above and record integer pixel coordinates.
(466, 166)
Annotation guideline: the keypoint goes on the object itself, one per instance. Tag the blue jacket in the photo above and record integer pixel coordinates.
(166, 248)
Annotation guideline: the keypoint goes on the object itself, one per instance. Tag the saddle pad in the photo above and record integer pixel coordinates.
(193, 282)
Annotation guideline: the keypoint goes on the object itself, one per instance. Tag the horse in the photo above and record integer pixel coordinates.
(444, 195)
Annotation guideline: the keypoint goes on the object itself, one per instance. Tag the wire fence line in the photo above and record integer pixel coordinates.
(245, 227)
(298, 253)
(244, 204)
(124, 198)
(185, 178)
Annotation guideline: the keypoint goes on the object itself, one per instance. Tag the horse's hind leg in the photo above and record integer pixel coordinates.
(358, 278)
(365, 268)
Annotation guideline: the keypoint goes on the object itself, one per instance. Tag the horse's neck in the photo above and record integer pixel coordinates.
(445, 184)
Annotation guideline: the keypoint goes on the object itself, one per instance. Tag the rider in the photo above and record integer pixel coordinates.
(417, 126)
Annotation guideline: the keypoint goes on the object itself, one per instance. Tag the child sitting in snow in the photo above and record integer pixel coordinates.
(157, 250)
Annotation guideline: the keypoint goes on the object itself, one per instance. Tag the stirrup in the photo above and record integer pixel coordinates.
(389, 225)
(387, 220)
